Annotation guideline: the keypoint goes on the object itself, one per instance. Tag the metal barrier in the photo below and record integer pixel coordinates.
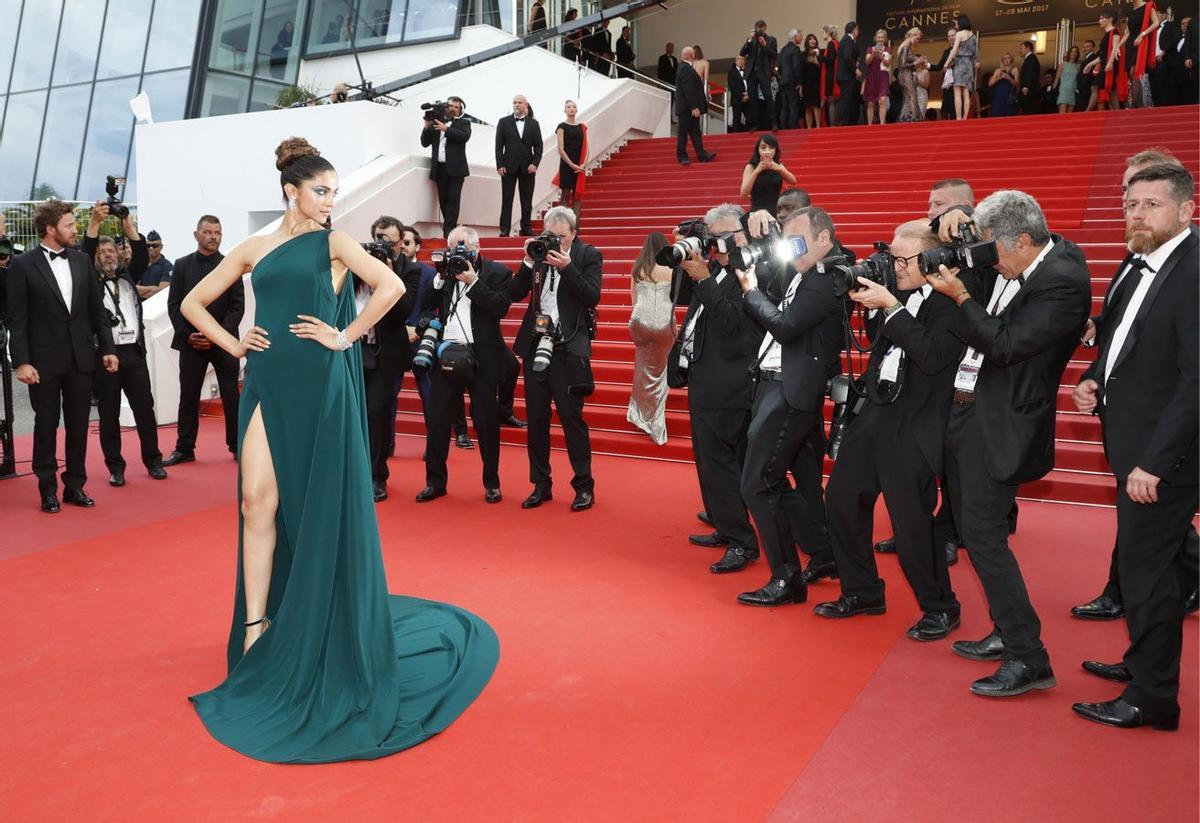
(18, 217)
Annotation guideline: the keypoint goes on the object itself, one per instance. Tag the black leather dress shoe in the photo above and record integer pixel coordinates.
(1192, 602)
(705, 519)
(1124, 715)
(1116, 672)
(492, 496)
(463, 441)
(379, 491)
(78, 497)
(157, 472)
(951, 552)
(778, 592)
(1102, 608)
(513, 423)
(709, 541)
(849, 605)
(708, 158)
(934, 625)
(683, 161)
(886, 546)
(1013, 678)
(583, 501)
(989, 648)
(429, 493)
(176, 457)
(50, 504)
(116, 479)
(736, 558)
(537, 498)
(819, 570)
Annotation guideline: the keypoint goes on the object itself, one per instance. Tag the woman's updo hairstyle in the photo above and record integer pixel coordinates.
(297, 161)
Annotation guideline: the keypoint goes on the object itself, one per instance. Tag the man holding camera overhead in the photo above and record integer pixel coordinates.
(447, 141)
(562, 275)
(895, 444)
(470, 298)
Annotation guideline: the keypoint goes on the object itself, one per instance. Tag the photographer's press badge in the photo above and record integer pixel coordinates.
(968, 371)
(126, 336)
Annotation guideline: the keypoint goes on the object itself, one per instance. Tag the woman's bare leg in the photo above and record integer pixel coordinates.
(260, 502)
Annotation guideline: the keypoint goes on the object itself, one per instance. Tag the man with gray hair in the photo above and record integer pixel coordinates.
(1020, 330)
(555, 343)
(791, 68)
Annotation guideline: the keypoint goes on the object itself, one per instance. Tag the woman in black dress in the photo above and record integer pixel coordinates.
(764, 175)
(810, 83)
(572, 149)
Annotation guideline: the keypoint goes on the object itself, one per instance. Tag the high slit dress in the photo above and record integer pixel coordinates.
(345, 671)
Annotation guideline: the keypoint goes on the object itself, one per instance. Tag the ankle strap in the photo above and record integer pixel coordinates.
(263, 619)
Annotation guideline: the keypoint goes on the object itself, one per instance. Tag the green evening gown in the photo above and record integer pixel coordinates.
(345, 670)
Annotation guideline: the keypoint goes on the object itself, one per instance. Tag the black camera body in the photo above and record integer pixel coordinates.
(381, 249)
(430, 329)
(112, 187)
(879, 267)
(695, 237)
(7, 247)
(966, 251)
(435, 111)
(453, 262)
(762, 248)
(542, 245)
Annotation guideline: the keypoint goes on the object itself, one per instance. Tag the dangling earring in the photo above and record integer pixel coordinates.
(292, 203)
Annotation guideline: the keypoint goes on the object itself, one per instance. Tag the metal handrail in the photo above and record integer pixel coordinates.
(713, 109)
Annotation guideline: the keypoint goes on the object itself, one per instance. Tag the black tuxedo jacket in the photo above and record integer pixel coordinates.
(667, 64)
(392, 353)
(760, 59)
(138, 263)
(809, 329)
(578, 291)
(515, 153)
(791, 64)
(489, 304)
(625, 53)
(849, 56)
(1026, 348)
(44, 331)
(689, 91)
(1169, 36)
(228, 309)
(1031, 75)
(1151, 403)
(457, 136)
(926, 379)
(724, 343)
(736, 84)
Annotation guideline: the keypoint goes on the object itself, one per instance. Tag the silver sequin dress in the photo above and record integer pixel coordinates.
(652, 329)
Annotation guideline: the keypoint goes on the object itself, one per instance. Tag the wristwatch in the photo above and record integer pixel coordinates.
(890, 310)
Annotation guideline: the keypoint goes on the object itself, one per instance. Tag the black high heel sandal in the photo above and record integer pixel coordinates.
(257, 622)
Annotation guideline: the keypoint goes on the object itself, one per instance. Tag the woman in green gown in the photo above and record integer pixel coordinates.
(324, 665)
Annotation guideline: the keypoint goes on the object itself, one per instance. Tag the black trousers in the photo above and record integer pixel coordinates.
(741, 115)
(445, 402)
(776, 437)
(789, 107)
(193, 365)
(380, 389)
(1153, 584)
(981, 507)
(848, 106)
(523, 183)
(508, 387)
(878, 456)
(67, 395)
(133, 378)
(763, 110)
(1029, 103)
(1189, 564)
(806, 510)
(689, 127)
(449, 191)
(539, 391)
(719, 449)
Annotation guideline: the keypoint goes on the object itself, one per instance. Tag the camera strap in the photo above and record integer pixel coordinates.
(457, 296)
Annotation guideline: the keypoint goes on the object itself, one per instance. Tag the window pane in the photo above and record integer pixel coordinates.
(381, 22)
(168, 94)
(172, 34)
(109, 131)
(264, 95)
(63, 138)
(35, 45)
(224, 94)
(18, 146)
(430, 18)
(2, 101)
(279, 42)
(9, 12)
(78, 42)
(330, 27)
(236, 27)
(124, 38)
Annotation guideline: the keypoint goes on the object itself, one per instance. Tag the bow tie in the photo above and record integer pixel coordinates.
(519, 119)
(1140, 264)
(54, 255)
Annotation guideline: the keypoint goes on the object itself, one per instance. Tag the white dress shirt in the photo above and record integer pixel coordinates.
(770, 352)
(61, 268)
(520, 126)
(362, 295)
(1002, 294)
(121, 299)
(689, 332)
(889, 367)
(458, 326)
(441, 152)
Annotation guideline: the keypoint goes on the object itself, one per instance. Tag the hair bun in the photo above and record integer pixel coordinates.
(291, 150)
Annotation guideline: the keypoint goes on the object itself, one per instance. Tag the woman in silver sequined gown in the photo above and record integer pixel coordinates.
(652, 329)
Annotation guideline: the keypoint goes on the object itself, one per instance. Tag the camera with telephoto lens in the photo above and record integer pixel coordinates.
(542, 245)
(6, 246)
(453, 262)
(435, 111)
(848, 398)
(430, 329)
(771, 245)
(966, 251)
(112, 188)
(695, 237)
(879, 267)
(381, 249)
(547, 334)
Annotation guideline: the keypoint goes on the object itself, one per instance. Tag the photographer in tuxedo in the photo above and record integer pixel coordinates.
(518, 153)
(196, 352)
(849, 77)
(123, 309)
(470, 297)
(895, 445)
(448, 168)
(1144, 385)
(761, 51)
(56, 323)
(1020, 330)
(559, 324)
(796, 357)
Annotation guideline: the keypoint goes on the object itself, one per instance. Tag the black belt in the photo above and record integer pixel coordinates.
(769, 374)
(963, 398)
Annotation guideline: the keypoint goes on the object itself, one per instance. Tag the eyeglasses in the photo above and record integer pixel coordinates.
(154, 245)
(903, 261)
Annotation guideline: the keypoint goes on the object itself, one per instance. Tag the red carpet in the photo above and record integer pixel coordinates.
(631, 685)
